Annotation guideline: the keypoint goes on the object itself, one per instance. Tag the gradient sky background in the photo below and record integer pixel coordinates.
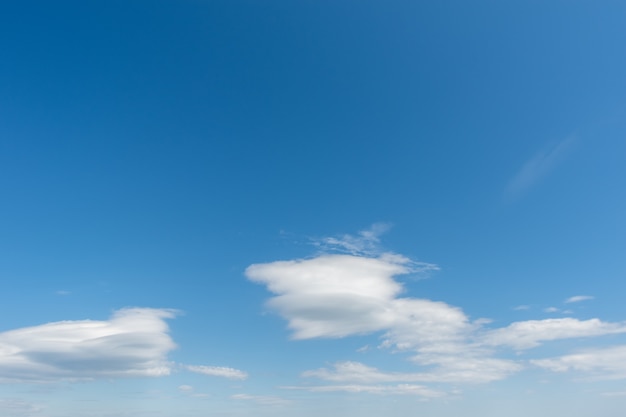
(303, 208)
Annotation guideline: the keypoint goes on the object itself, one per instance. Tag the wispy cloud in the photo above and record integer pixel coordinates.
(537, 167)
(220, 371)
(134, 342)
(366, 242)
(400, 389)
(18, 408)
(614, 394)
(261, 399)
(188, 390)
(579, 298)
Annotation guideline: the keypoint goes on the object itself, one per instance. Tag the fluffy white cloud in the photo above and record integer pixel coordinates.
(134, 342)
(220, 371)
(342, 295)
(333, 295)
(605, 363)
(529, 334)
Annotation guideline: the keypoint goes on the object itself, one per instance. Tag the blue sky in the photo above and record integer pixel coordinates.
(295, 208)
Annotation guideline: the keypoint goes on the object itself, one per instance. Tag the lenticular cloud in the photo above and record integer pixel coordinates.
(134, 342)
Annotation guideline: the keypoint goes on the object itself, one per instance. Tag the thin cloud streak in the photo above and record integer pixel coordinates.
(220, 371)
(537, 168)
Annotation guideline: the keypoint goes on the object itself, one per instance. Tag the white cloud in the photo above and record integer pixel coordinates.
(579, 298)
(603, 363)
(537, 168)
(521, 307)
(335, 296)
(134, 342)
(551, 310)
(220, 371)
(261, 399)
(529, 334)
(185, 388)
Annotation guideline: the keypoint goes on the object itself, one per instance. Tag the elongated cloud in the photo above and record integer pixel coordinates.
(220, 371)
(602, 363)
(452, 369)
(578, 298)
(134, 342)
(531, 333)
